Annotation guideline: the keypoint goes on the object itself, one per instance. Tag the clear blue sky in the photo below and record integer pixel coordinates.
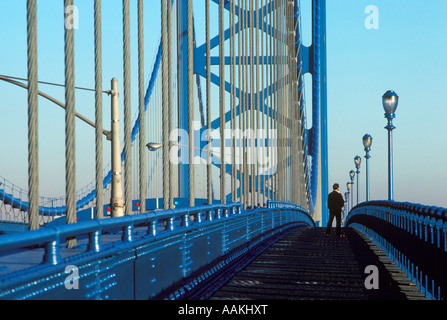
(404, 54)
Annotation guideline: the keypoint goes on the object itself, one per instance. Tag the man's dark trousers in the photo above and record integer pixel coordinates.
(337, 215)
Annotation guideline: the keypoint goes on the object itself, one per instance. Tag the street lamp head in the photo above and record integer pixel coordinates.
(153, 146)
(367, 142)
(348, 186)
(346, 196)
(352, 174)
(390, 100)
(357, 162)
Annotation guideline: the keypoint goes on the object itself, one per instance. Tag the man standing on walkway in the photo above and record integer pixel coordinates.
(335, 205)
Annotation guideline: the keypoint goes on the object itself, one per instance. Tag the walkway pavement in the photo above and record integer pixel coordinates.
(307, 265)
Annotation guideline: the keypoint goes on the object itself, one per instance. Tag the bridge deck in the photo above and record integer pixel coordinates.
(306, 264)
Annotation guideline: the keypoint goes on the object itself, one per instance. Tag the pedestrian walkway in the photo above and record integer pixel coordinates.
(307, 265)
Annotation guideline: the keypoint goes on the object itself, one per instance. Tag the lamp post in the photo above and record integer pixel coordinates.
(348, 187)
(346, 202)
(352, 175)
(367, 142)
(117, 200)
(389, 101)
(357, 162)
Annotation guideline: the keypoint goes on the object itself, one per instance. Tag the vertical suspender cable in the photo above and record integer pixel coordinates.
(278, 102)
(141, 92)
(275, 96)
(191, 101)
(98, 111)
(127, 109)
(258, 108)
(286, 103)
(252, 105)
(266, 101)
(241, 97)
(290, 91)
(33, 142)
(290, 100)
(294, 107)
(283, 101)
(244, 99)
(208, 105)
(233, 102)
(246, 173)
(296, 134)
(289, 97)
(271, 114)
(262, 104)
(70, 155)
(165, 124)
(222, 101)
(170, 99)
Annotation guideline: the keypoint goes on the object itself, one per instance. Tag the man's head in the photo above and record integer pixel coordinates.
(336, 186)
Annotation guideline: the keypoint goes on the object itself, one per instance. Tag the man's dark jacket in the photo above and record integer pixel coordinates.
(335, 202)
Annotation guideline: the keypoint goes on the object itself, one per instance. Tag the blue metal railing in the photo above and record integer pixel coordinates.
(140, 256)
(413, 235)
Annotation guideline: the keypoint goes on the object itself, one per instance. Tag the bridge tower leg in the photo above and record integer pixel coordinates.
(324, 172)
(315, 63)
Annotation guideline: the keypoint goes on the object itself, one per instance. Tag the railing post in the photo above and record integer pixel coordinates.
(128, 233)
(209, 214)
(152, 229)
(52, 255)
(171, 223)
(185, 219)
(226, 212)
(94, 243)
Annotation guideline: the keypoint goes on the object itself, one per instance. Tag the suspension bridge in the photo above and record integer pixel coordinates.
(217, 182)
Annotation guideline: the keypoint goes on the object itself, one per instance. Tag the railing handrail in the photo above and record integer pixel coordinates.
(51, 236)
(419, 209)
(222, 229)
(289, 205)
(51, 233)
(414, 235)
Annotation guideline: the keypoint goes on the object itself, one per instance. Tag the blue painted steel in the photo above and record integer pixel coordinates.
(415, 236)
(12, 227)
(319, 110)
(313, 61)
(136, 257)
(316, 73)
(183, 86)
(324, 170)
